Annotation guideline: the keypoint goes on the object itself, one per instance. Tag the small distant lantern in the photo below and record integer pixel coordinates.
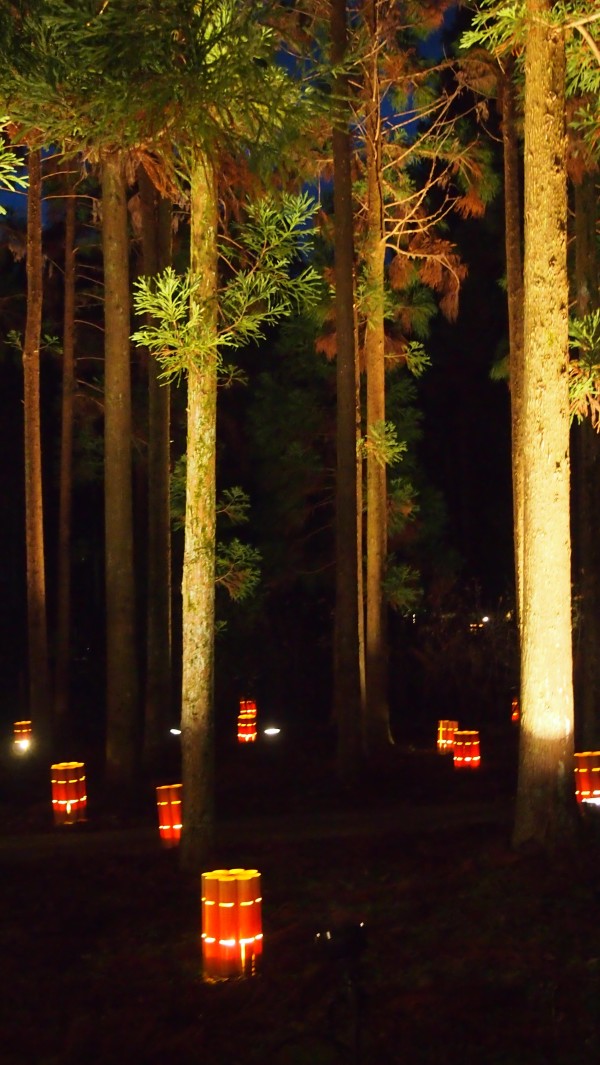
(515, 712)
(587, 776)
(169, 806)
(467, 753)
(69, 798)
(247, 721)
(231, 923)
(445, 736)
(22, 734)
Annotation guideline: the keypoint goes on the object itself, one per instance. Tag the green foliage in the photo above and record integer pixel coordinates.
(402, 505)
(584, 372)
(382, 442)
(237, 569)
(265, 285)
(10, 165)
(401, 587)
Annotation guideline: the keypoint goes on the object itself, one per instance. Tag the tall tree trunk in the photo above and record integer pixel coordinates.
(38, 671)
(377, 709)
(198, 587)
(156, 252)
(122, 726)
(545, 809)
(587, 484)
(514, 279)
(63, 605)
(347, 706)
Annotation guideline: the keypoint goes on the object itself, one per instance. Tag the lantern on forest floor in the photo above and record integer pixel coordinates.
(231, 923)
(587, 776)
(466, 749)
(169, 807)
(515, 713)
(445, 736)
(22, 734)
(246, 732)
(69, 796)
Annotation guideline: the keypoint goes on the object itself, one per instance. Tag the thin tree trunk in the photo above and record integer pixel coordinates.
(514, 279)
(63, 605)
(587, 471)
(377, 709)
(545, 809)
(156, 251)
(122, 726)
(347, 706)
(39, 684)
(198, 586)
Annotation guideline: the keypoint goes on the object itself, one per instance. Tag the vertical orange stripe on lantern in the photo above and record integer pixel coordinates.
(231, 923)
(246, 732)
(445, 736)
(22, 733)
(467, 754)
(169, 807)
(587, 775)
(69, 798)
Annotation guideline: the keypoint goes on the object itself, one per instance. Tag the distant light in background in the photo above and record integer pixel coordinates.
(246, 726)
(175, 731)
(169, 806)
(23, 736)
(445, 737)
(272, 730)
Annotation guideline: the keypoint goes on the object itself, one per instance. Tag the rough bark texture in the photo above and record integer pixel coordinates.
(586, 461)
(63, 603)
(39, 689)
(121, 666)
(514, 279)
(198, 587)
(346, 652)
(545, 811)
(377, 731)
(156, 253)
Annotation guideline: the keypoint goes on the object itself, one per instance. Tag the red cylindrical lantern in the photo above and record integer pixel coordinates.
(231, 923)
(22, 733)
(169, 807)
(515, 711)
(467, 753)
(445, 736)
(247, 721)
(69, 796)
(587, 775)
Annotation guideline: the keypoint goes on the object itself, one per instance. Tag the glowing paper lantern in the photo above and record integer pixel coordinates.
(168, 804)
(69, 796)
(466, 749)
(231, 923)
(22, 732)
(587, 776)
(445, 737)
(247, 721)
(515, 711)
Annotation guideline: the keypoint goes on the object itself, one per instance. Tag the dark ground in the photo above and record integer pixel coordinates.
(472, 955)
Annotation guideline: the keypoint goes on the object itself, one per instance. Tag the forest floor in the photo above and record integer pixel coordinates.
(468, 954)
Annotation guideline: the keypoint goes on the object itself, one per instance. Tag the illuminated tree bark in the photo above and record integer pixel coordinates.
(545, 810)
(377, 732)
(346, 656)
(198, 587)
(38, 669)
(63, 612)
(156, 252)
(121, 664)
